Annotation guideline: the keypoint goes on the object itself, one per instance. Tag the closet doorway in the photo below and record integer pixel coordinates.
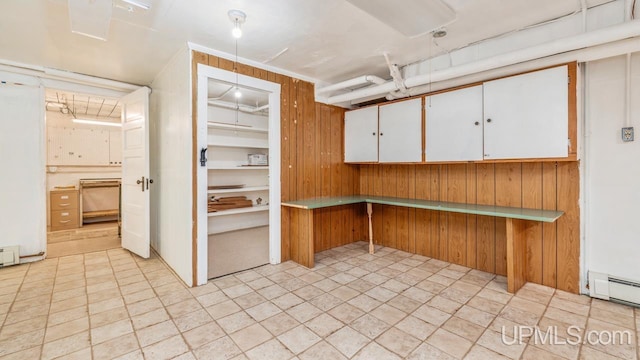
(83, 172)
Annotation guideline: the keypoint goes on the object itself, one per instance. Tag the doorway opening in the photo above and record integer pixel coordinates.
(83, 172)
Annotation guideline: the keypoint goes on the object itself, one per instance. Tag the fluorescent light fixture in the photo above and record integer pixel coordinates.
(137, 3)
(96, 122)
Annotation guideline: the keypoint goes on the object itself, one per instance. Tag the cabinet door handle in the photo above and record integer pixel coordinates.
(374, 134)
(488, 120)
(64, 221)
(477, 123)
(62, 205)
(381, 134)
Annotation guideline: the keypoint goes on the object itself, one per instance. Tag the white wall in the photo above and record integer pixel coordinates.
(71, 175)
(22, 159)
(171, 165)
(612, 170)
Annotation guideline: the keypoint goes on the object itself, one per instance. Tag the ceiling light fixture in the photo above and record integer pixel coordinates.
(137, 3)
(96, 122)
(238, 18)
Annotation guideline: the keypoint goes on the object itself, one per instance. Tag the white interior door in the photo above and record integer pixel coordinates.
(136, 184)
(23, 219)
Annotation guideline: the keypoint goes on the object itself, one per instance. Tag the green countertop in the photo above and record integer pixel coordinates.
(487, 210)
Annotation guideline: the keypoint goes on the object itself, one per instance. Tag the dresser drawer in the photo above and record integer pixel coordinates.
(63, 200)
(64, 219)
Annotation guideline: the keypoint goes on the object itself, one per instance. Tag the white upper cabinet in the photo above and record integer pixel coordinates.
(401, 131)
(525, 116)
(361, 135)
(453, 129)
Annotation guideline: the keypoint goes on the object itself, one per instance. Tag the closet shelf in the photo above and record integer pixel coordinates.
(240, 211)
(243, 167)
(223, 126)
(243, 189)
(246, 146)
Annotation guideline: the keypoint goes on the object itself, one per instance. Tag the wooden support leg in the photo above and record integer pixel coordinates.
(369, 212)
(302, 242)
(516, 254)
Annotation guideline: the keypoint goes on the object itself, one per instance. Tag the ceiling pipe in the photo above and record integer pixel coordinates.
(584, 40)
(583, 55)
(361, 80)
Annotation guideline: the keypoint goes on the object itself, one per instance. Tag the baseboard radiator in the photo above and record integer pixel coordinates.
(9, 255)
(603, 286)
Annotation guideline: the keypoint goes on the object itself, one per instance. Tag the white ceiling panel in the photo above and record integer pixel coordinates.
(329, 40)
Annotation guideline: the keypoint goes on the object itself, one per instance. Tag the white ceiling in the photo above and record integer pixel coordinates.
(327, 40)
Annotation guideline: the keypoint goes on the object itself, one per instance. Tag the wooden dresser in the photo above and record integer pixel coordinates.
(64, 209)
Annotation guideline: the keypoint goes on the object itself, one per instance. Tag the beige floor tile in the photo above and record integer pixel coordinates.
(202, 335)
(212, 298)
(565, 316)
(184, 307)
(235, 322)
(442, 303)
(449, 342)
(431, 315)
(150, 318)
(21, 342)
(14, 317)
(613, 317)
(324, 325)
(155, 333)
(272, 291)
(110, 331)
(570, 306)
(308, 292)
(527, 305)
(134, 297)
(263, 311)
(223, 348)
(320, 351)
(66, 345)
(223, 309)
(134, 355)
(588, 353)
(271, 349)
(456, 295)
(298, 339)
(520, 316)
(375, 351)
(398, 341)
(249, 300)
(191, 320)
(495, 341)
(381, 293)
(250, 336)
(108, 317)
(68, 304)
(325, 302)
(78, 355)
(497, 296)
(611, 306)
(369, 326)
(463, 328)
(304, 312)
(478, 352)
(166, 349)
(326, 285)
(280, 323)
(105, 305)
(347, 341)
(344, 293)
(65, 329)
(429, 352)
(364, 302)
(12, 330)
(31, 353)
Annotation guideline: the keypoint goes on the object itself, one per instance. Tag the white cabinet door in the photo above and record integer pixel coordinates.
(361, 135)
(453, 129)
(401, 131)
(526, 115)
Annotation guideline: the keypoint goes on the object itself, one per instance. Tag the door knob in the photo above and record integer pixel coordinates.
(141, 182)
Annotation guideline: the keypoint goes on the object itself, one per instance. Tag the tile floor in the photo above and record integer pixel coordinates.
(390, 305)
(89, 238)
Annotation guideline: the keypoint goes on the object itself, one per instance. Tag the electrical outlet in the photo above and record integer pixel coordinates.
(627, 134)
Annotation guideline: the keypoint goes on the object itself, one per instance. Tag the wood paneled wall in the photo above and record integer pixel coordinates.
(479, 241)
(311, 159)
